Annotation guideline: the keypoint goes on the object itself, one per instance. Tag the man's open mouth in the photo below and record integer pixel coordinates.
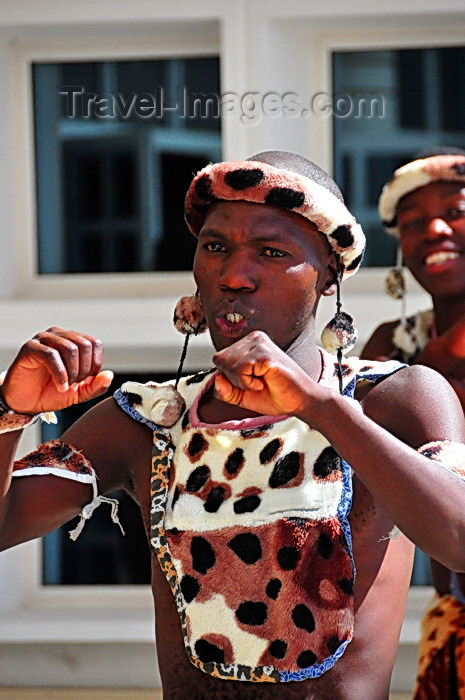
(234, 318)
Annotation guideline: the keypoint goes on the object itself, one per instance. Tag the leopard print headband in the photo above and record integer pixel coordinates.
(254, 181)
(410, 177)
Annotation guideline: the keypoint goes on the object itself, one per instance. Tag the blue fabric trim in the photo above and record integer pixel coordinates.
(381, 370)
(316, 670)
(455, 588)
(123, 403)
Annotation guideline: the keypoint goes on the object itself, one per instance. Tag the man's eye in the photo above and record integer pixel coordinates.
(456, 213)
(410, 224)
(273, 253)
(213, 247)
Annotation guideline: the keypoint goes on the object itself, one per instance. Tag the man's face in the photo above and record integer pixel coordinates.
(431, 221)
(258, 267)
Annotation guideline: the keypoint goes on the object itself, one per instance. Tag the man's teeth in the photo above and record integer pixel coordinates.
(234, 318)
(440, 257)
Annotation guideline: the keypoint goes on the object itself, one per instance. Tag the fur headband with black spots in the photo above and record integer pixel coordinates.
(254, 181)
(410, 177)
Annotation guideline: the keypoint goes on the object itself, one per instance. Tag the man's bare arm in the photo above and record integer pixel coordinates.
(49, 374)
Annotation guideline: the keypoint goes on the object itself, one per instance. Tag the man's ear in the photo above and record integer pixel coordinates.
(330, 283)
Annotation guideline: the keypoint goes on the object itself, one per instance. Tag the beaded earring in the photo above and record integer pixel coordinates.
(340, 334)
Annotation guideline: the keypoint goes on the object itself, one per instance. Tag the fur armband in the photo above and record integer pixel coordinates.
(58, 458)
(450, 454)
(10, 420)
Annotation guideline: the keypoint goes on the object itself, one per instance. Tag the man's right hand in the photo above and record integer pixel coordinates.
(55, 369)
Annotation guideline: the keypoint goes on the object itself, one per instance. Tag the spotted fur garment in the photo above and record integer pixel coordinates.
(249, 521)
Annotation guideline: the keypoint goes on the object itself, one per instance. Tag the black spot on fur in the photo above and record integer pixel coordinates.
(197, 444)
(61, 451)
(234, 461)
(133, 399)
(355, 263)
(199, 377)
(278, 648)
(303, 618)
(203, 555)
(333, 643)
(214, 499)
(189, 587)
(273, 587)
(343, 236)
(346, 585)
(176, 495)
(306, 658)
(247, 547)
(432, 451)
(285, 197)
(247, 504)
(288, 557)
(185, 420)
(269, 450)
(328, 461)
(345, 369)
(203, 189)
(197, 479)
(254, 432)
(325, 546)
(391, 223)
(209, 653)
(243, 178)
(251, 613)
(459, 168)
(285, 470)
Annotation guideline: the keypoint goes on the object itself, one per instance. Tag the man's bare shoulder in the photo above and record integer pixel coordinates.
(114, 442)
(417, 405)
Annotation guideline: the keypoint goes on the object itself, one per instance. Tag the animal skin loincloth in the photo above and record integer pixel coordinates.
(441, 667)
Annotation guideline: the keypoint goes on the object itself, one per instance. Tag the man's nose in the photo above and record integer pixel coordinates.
(437, 226)
(239, 272)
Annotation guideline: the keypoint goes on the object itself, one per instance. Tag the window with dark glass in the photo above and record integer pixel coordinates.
(397, 103)
(116, 144)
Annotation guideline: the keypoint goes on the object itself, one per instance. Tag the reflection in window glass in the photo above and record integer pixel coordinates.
(116, 146)
(393, 105)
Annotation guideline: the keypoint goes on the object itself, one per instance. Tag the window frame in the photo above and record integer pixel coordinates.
(27, 281)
